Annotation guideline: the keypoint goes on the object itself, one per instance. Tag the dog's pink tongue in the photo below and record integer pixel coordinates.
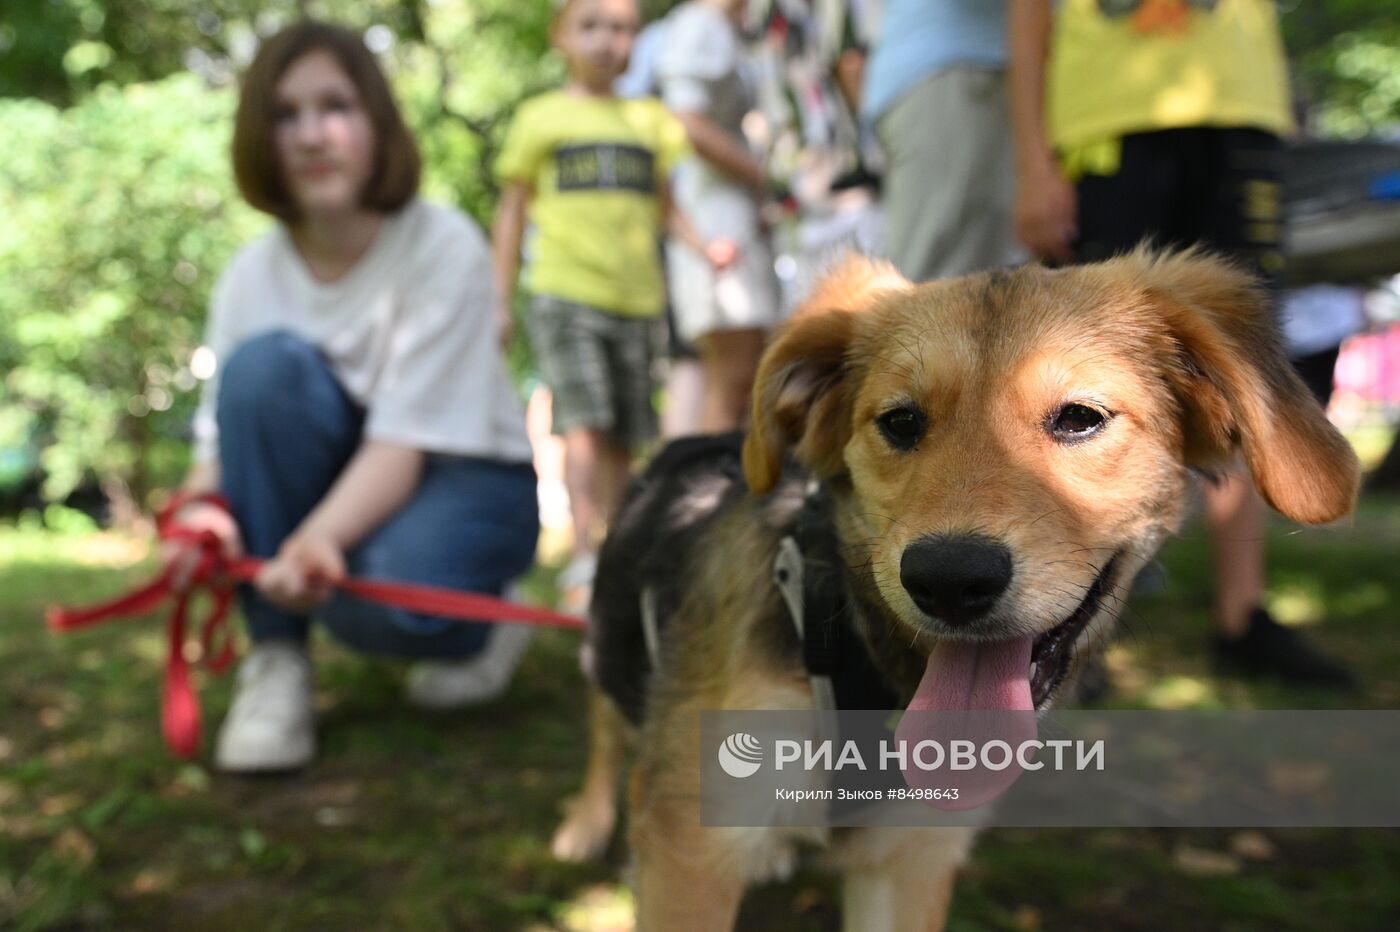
(962, 675)
(975, 692)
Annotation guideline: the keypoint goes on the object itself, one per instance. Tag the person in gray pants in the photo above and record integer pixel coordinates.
(935, 92)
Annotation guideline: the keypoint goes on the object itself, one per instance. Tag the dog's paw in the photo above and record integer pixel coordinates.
(584, 834)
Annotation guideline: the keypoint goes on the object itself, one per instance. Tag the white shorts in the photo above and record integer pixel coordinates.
(741, 297)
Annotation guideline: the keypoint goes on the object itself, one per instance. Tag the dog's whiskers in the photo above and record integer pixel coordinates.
(904, 369)
(1072, 563)
(876, 514)
(1141, 555)
(1044, 516)
(916, 357)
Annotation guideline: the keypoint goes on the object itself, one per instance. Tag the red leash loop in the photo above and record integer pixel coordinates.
(180, 712)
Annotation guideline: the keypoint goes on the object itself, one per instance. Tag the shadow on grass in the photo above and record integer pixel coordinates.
(419, 821)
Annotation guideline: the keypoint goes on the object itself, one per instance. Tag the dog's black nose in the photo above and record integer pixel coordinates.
(956, 578)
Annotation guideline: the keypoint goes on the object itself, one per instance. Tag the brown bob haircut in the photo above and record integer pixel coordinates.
(397, 166)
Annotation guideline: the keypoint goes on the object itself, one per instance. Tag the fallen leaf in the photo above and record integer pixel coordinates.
(600, 908)
(1253, 846)
(72, 845)
(1027, 918)
(60, 804)
(150, 880)
(18, 826)
(1201, 862)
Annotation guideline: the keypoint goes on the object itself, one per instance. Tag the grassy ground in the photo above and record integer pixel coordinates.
(413, 821)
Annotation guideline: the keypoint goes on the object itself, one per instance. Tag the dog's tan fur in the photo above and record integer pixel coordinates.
(1180, 349)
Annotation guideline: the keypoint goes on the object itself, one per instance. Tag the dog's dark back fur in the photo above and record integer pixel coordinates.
(665, 513)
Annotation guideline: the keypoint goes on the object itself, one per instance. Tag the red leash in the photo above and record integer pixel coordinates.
(180, 716)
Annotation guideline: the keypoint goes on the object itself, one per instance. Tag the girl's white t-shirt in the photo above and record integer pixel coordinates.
(410, 333)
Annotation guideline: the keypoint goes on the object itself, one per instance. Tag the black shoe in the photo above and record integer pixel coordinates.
(1268, 649)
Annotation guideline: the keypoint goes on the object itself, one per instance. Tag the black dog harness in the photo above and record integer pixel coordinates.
(811, 575)
(812, 578)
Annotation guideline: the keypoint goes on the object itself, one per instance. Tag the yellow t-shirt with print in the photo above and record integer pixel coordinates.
(1129, 66)
(596, 166)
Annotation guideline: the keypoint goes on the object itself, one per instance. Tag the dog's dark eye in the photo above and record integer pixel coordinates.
(902, 426)
(1074, 423)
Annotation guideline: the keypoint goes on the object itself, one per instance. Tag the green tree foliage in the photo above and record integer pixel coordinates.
(1346, 59)
(1361, 80)
(120, 213)
(459, 73)
(58, 50)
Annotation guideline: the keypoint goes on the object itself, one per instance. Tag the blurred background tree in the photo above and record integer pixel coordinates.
(121, 210)
(1346, 61)
(120, 213)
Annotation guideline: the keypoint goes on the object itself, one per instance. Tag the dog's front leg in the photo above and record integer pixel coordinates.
(901, 880)
(588, 826)
(689, 878)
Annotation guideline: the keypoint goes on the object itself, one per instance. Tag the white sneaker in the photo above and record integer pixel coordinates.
(575, 583)
(271, 724)
(450, 684)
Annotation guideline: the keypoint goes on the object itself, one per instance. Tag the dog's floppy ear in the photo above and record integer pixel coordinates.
(800, 397)
(1238, 390)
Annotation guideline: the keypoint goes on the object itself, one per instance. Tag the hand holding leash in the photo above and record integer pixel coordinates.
(192, 518)
(305, 571)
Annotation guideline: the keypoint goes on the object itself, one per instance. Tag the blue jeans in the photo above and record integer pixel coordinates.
(286, 431)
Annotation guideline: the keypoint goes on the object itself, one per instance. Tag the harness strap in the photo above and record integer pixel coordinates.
(788, 575)
(810, 573)
(651, 630)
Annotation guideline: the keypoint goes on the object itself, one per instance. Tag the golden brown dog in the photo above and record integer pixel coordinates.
(995, 447)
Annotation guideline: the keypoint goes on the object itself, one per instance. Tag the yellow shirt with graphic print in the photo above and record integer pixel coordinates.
(1129, 66)
(596, 166)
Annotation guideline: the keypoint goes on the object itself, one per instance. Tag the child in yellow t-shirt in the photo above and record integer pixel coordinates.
(589, 171)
